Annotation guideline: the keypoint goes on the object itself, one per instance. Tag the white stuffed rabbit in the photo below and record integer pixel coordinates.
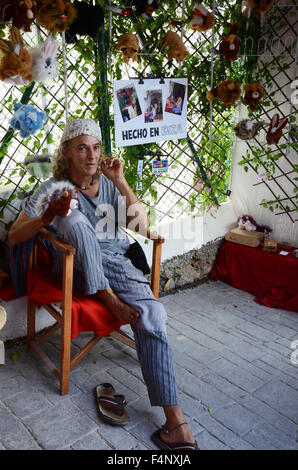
(44, 64)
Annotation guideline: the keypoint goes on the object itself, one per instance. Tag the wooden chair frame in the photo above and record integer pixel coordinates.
(63, 320)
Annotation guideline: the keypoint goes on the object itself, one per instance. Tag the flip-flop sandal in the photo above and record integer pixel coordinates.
(111, 407)
(155, 437)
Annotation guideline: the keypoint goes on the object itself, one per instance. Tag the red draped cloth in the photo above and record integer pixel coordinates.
(271, 277)
(88, 312)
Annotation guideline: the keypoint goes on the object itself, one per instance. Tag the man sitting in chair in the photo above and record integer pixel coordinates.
(100, 266)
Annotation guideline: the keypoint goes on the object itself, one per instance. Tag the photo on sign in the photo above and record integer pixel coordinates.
(153, 106)
(174, 103)
(128, 103)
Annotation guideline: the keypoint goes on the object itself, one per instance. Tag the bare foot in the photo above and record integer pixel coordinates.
(180, 434)
(124, 312)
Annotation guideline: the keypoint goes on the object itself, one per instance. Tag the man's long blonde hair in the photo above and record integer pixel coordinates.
(61, 163)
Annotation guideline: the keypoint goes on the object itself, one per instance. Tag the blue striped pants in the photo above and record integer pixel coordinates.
(97, 269)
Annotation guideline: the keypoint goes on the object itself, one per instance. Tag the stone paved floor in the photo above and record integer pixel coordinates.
(239, 389)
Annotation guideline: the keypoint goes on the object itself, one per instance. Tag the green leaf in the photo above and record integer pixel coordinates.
(15, 356)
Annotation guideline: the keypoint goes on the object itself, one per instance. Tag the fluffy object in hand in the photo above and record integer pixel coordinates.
(129, 45)
(89, 19)
(247, 222)
(21, 12)
(201, 19)
(27, 119)
(177, 50)
(55, 15)
(16, 62)
(44, 63)
(59, 200)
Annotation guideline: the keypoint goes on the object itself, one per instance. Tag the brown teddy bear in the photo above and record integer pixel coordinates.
(129, 45)
(261, 6)
(55, 15)
(16, 62)
(201, 19)
(227, 91)
(21, 12)
(229, 46)
(253, 93)
(177, 50)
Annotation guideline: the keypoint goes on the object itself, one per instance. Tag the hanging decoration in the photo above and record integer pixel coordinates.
(22, 13)
(159, 166)
(16, 63)
(39, 166)
(261, 6)
(247, 129)
(27, 119)
(227, 92)
(253, 93)
(150, 110)
(88, 20)
(144, 8)
(140, 174)
(129, 45)
(177, 50)
(230, 45)
(55, 15)
(44, 63)
(201, 19)
(275, 132)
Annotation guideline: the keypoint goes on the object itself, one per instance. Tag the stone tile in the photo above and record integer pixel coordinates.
(59, 426)
(13, 433)
(129, 380)
(13, 386)
(206, 441)
(273, 438)
(237, 418)
(256, 331)
(27, 403)
(92, 441)
(236, 375)
(220, 383)
(280, 397)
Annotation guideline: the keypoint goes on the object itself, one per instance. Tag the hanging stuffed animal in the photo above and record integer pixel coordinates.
(89, 19)
(16, 62)
(21, 12)
(201, 19)
(57, 190)
(129, 45)
(275, 133)
(227, 92)
(44, 64)
(55, 15)
(27, 119)
(177, 50)
(247, 129)
(253, 93)
(39, 166)
(247, 222)
(230, 45)
(261, 6)
(144, 8)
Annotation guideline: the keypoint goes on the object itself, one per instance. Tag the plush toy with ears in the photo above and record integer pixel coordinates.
(144, 8)
(247, 222)
(55, 15)
(261, 6)
(129, 45)
(227, 92)
(44, 64)
(230, 45)
(275, 129)
(39, 166)
(59, 200)
(16, 62)
(201, 19)
(21, 12)
(253, 93)
(177, 50)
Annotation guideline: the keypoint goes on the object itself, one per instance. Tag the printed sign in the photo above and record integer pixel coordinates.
(159, 166)
(150, 110)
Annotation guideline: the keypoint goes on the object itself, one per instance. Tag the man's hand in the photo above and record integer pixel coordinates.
(112, 168)
(59, 207)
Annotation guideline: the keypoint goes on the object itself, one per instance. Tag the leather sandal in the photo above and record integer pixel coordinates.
(172, 446)
(111, 407)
